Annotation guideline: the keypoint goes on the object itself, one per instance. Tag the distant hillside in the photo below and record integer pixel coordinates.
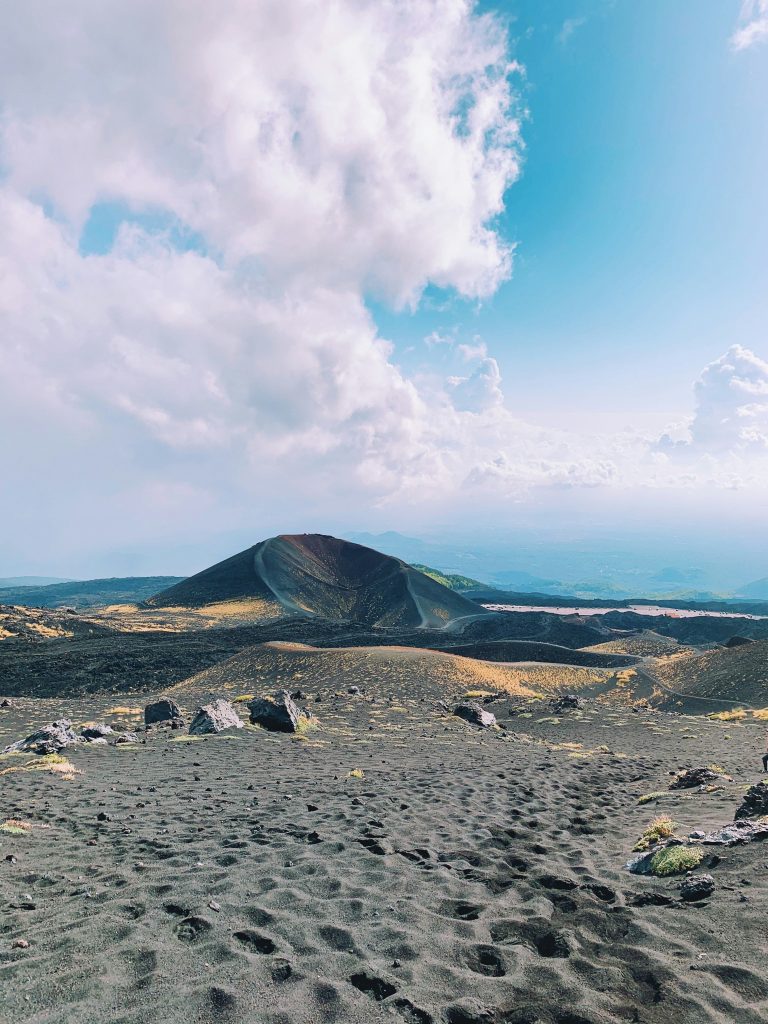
(756, 591)
(450, 580)
(319, 576)
(88, 593)
(31, 581)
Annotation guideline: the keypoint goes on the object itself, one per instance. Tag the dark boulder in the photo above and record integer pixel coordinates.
(471, 712)
(48, 740)
(278, 713)
(694, 777)
(755, 803)
(96, 732)
(568, 702)
(215, 717)
(697, 887)
(161, 711)
(125, 737)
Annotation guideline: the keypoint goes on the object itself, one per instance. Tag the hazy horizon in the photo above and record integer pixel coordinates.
(489, 275)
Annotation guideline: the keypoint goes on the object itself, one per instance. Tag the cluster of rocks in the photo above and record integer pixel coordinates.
(278, 714)
(735, 833)
(55, 736)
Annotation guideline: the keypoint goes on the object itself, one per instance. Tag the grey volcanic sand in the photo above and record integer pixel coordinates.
(467, 878)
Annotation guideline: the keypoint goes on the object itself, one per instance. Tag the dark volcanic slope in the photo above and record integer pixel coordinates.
(315, 575)
(725, 675)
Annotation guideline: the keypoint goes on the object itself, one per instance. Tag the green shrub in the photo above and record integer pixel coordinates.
(674, 860)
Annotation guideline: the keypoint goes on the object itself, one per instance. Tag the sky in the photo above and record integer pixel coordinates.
(469, 271)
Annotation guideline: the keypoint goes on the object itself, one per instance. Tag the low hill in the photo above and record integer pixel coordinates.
(318, 576)
(394, 671)
(646, 644)
(553, 654)
(723, 676)
(87, 593)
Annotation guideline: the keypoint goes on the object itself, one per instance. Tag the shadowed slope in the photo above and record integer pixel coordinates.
(315, 575)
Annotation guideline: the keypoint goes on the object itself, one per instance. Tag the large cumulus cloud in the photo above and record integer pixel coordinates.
(274, 166)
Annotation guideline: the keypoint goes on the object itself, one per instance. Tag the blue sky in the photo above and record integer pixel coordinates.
(226, 236)
(640, 217)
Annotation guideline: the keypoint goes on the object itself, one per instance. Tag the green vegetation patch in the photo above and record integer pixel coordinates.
(674, 860)
(450, 580)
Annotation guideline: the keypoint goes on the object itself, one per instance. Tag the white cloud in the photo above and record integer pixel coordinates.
(732, 403)
(481, 390)
(323, 153)
(753, 24)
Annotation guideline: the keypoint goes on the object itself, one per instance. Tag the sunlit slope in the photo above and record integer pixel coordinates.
(394, 671)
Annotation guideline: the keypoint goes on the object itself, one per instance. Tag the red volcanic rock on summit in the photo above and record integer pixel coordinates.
(315, 575)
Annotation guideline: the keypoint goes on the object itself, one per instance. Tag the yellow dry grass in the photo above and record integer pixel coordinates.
(736, 715)
(55, 763)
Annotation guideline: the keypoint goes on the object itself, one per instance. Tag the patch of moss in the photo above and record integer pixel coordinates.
(674, 860)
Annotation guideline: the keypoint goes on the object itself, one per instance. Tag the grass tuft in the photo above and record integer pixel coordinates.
(660, 828)
(648, 798)
(736, 715)
(356, 773)
(15, 827)
(56, 763)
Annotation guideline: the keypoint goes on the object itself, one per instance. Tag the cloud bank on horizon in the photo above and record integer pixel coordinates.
(198, 205)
